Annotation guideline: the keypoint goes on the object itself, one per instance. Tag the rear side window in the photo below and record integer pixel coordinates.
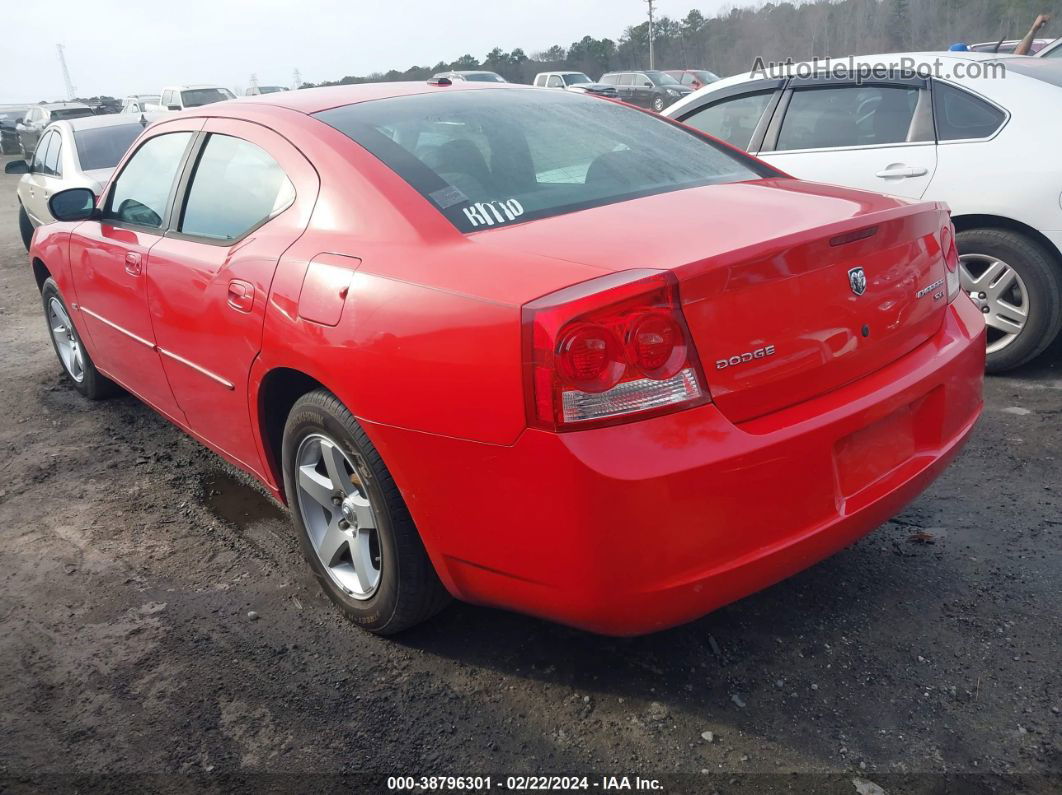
(492, 158)
(197, 97)
(142, 191)
(609, 80)
(959, 115)
(555, 82)
(236, 187)
(40, 154)
(53, 163)
(732, 120)
(71, 113)
(626, 80)
(103, 147)
(821, 118)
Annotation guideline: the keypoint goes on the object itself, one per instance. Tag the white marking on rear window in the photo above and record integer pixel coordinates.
(493, 212)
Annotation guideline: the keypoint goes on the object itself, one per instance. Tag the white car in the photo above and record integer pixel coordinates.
(1052, 50)
(78, 153)
(984, 144)
(141, 103)
(473, 76)
(574, 81)
(193, 96)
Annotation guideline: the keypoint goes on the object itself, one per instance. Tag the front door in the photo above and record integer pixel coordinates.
(247, 198)
(109, 257)
(877, 137)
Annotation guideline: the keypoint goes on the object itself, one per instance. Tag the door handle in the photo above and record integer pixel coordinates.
(902, 172)
(241, 295)
(133, 264)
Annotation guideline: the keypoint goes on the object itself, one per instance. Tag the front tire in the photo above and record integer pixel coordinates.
(354, 528)
(25, 227)
(1022, 287)
(658, 104)
(76, 362)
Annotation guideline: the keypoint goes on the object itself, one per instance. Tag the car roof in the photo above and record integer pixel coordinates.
(187, 86)
(61, 105)
(313, 100)
(110, 120)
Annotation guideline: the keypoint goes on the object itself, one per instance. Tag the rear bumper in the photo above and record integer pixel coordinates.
(635, 528)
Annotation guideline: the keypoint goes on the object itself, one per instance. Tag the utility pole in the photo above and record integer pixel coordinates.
(71, 91)
(297, 80)
(652, 60)
(254, 80)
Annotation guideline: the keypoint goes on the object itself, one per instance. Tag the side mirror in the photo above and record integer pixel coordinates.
(173, 107)
(74, 204)
(19, 166)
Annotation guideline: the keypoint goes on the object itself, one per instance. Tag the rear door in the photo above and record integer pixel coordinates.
(32, 191)
(873, 136)
(246, 197)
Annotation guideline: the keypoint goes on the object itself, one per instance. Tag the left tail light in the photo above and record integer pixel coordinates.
(608, 351)
(951, 261)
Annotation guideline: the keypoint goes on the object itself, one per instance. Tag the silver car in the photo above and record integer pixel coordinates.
(78, 153)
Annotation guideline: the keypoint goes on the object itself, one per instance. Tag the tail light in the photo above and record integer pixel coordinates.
(607, 351)
(951, 261)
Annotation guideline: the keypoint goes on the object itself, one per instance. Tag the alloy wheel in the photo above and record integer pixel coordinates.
(338, 514)
(66, 342)
(1001, 293)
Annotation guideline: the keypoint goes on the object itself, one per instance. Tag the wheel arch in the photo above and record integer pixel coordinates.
(41, 273)
(277, 392)
(981, 221)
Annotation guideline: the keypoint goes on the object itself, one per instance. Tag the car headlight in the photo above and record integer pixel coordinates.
(672, 92)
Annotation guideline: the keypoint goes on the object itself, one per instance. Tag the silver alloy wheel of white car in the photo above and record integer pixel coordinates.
(338, 515)
(66, 342)
(1002, 293)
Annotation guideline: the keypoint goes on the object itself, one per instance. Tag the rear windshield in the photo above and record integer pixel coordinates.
(71, 113)
(491, 158)
(576, 78)
(484, 77)
(103, 147)
(195, 97)
(1046, 69)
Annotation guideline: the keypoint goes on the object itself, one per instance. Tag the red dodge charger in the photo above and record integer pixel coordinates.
(522, 347)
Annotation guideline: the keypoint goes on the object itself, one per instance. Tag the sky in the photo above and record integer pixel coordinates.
(119, 47)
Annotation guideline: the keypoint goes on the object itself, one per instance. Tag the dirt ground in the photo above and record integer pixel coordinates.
(130, 558)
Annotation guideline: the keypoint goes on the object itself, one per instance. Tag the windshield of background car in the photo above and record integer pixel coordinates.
(491, 158)
(71, 113)
(576, 79)
(485, 77)
(103, 147)
(195, 97)
(661, 79)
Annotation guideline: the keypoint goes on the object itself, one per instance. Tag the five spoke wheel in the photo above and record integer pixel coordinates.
(66, 342)
(1000, 292)
(335, 507)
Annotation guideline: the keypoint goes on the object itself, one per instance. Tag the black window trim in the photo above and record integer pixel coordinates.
(975, 95)
(159, 230)
(179, 199)
(923, 106)
(742, 90)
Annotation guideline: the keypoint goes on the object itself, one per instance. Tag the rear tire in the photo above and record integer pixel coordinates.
(1036, 291)
(375, 568)
(76, 362)
(25, 228)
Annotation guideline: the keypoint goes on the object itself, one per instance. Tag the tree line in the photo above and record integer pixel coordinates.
(729, 42)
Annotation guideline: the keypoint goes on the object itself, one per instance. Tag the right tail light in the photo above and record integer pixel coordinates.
(607, 351)
(951, 261)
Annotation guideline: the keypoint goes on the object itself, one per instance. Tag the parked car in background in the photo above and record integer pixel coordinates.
(1008, 46)
(193, 96)
(648, 88)
(75, 153)
(38, 117)
(692, 78)
(10, 115)
(976, 143)
(587, 309)
(142, 103)
(471, 77)
(255, 91)
(574, 81)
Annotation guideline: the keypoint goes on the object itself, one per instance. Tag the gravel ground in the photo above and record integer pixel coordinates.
(159, 628)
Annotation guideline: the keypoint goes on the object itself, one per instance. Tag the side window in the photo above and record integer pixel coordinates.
(236, 187)
(53, 163)
(167, 99)
(642, 81)
(960, 115)
(40, 154)
(609, 80)
(821, 118)
(732, 120)
(142, 190)
(626, 79)
(555, 82)
(687, 79)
